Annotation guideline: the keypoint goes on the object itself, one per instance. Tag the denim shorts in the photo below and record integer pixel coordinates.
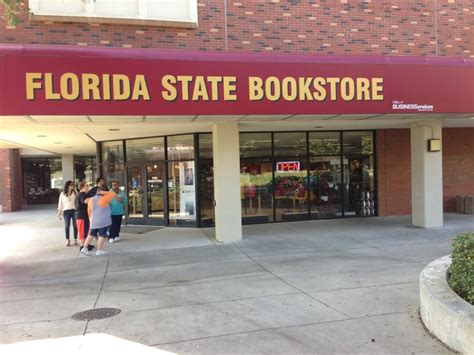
(101, 232)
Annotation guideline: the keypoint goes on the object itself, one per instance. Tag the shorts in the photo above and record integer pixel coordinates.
(101, 232)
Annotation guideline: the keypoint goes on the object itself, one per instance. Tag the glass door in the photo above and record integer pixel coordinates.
(182, 193)
(155, 193)
(136, 194)
(325, 187)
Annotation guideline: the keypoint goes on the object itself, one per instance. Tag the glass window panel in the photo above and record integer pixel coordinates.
(325, 183)
(290, 144)
(291, 190)
(112, 152)
(113, 172)
(84, 170)
(136, 192)
(255, 145)
(147, 149)
(182, 193)
(324, 143)
(359, 190)
(357, 142)
(43, 180)
(57, 181)
(205, 146)
(181, 147)
(256, 191)
(206, 172)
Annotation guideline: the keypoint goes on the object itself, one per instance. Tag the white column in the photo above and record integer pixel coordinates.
(426, 175)
(226, 150)
(67, 161)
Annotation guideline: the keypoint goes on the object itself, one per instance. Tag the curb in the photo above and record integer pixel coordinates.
(444, 313)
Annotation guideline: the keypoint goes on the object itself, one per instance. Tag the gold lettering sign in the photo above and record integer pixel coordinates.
(121, 87)
(86, 86)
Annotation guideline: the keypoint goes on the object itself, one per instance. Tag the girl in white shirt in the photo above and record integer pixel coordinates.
(67, 210)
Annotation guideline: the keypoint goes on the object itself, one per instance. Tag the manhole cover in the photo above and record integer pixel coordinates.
(98, 313)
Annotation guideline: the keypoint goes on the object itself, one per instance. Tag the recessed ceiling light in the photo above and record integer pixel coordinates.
(69, 147)
(41, 135)
(114, 129)
(319, 127)
(58, 142)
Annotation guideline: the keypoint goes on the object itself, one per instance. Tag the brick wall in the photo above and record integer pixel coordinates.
(398, 27)
(458, 165)
(394, 173)
(10, 166)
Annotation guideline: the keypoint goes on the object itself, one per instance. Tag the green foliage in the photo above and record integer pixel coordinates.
(461, 270)
(12, 8)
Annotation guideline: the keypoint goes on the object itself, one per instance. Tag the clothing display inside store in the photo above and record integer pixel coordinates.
(326, 187)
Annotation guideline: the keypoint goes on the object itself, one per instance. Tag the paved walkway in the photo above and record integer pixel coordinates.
(335, 286)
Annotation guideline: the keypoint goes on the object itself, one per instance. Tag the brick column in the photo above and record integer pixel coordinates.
(11, 192)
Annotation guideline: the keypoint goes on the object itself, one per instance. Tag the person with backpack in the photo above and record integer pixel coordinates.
(100, 216)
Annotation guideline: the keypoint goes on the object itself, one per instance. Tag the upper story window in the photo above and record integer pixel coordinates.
(176, 13)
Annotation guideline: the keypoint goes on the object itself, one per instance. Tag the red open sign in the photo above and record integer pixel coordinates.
(283, 166)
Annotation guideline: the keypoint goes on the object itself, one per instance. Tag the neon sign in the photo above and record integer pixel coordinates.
(288, 166)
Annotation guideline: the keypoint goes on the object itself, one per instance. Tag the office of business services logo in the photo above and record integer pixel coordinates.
(400, 105)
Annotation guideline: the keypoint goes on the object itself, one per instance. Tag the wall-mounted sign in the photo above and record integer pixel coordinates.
(434, 145)
(287, 166)
(48, 80)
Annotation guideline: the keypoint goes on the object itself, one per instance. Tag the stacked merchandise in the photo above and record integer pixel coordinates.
(366, 205)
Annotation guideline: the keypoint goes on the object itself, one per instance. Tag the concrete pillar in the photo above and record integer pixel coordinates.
(426, 175)
(67, 161)
(226, 150)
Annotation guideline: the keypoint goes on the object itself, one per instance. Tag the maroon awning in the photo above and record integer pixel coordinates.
(64, 80)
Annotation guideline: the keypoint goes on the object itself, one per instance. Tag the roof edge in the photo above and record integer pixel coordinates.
(174, 54)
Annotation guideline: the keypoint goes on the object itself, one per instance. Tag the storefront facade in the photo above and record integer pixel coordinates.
(284, 176)
(327, 124)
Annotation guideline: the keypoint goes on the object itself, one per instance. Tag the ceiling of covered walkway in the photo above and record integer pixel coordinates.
(78, 134)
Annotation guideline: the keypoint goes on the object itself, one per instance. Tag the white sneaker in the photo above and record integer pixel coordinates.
(101, 253)
(85, 251)
(111, 240)
(116, 239)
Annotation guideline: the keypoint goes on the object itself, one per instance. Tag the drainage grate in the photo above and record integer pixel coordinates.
(98, 313)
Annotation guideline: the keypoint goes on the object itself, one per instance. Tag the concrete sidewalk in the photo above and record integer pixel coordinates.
(335, 286)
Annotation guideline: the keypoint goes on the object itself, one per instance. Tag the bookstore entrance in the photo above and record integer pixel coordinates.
(161, 193)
